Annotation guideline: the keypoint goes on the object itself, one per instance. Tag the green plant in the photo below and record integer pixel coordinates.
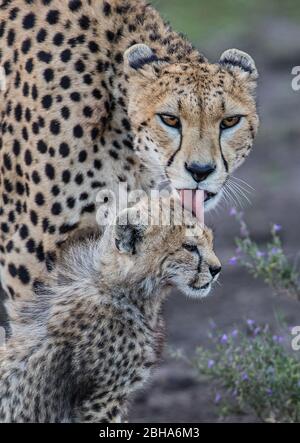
(268, 262)
(257, 371)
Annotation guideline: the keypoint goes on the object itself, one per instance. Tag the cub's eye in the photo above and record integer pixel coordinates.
(189, 247)
(170, 120)
(229, 122)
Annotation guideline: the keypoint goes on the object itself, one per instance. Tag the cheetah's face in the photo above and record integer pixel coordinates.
(178, 255)
(193, 123)
(194, 267)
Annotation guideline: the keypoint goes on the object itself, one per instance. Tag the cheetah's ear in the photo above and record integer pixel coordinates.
(129, 231)
(140, 59)
(241, 62)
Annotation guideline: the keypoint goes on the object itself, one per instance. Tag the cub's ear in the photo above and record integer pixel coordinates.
(140, 59)
(129, 231)
(239, 61)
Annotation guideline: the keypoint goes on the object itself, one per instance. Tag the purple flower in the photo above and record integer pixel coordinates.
(234, 333)
(233, 261)
(224, 339)
(250, 322)
(260, 254)
(269, 392)
(277, 228)
(245, 376)
(210, 363)
(277, 338)
(274, 251)
(232, 212)
(218, 397)
(256, 331)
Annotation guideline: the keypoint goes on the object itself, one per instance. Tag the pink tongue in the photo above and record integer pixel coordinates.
(193, 201)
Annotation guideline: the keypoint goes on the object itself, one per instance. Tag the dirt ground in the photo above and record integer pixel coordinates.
(175, 394)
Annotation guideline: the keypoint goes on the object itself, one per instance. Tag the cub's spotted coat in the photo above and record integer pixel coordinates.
(79, 114)
(91, 337)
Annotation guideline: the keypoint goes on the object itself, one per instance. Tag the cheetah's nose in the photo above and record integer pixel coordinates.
(215, 270)
(199, 172)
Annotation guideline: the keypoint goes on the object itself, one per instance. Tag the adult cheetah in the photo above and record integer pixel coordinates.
(92, 336)
(99, 93)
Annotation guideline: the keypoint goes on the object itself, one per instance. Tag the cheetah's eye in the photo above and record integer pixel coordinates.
(229, 122)
(170, 120)
(189, 247)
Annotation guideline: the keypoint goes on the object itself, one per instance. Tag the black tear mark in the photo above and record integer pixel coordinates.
(222, 155)
(171, 159)
(199, 261)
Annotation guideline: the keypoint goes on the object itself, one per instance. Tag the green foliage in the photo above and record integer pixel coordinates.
(270, 262)
(257, 372)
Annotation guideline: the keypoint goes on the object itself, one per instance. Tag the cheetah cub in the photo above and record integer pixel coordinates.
(92, 336)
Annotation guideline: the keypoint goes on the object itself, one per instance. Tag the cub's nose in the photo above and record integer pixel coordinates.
(198, 171)
(215, 270)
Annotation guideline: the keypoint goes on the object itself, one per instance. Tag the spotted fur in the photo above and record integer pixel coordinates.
(78, 117)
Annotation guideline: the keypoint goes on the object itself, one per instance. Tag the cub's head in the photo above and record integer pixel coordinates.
(195, 123)
(160, 244)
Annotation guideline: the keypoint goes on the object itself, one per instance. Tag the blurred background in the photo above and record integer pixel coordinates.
(269, 30)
